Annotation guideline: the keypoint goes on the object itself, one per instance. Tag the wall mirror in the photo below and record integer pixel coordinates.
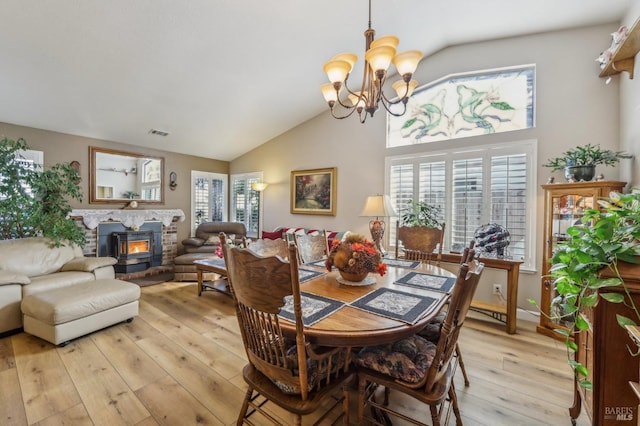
(119, 177)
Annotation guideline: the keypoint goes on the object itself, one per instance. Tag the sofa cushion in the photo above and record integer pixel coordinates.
(35, 256)
(56, 280)
(208, 229)
(8, 277)
(88, 264)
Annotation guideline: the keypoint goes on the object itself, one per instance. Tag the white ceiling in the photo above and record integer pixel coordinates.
(222, 76)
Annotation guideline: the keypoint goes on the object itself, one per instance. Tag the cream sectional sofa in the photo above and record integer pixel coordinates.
(32, 265)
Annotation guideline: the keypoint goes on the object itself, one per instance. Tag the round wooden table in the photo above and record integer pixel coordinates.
(354, 327)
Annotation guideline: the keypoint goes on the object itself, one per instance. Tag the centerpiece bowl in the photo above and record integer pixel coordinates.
(354, 258)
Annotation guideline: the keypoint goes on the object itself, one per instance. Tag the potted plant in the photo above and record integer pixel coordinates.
(34, 201)
(607, 236)
(580, 163)
(420, 213)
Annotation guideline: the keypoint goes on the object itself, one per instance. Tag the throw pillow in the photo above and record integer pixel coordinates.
(275, 235)
(213, 240)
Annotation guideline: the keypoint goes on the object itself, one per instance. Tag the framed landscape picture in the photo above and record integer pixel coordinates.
(314, 191)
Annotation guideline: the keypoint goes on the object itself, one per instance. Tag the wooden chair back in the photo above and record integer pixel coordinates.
(267, 247)
(463, 292)
(419, 242)
(312, 248)
(259, 286)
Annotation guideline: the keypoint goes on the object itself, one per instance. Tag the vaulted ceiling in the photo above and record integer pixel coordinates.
(222, 76)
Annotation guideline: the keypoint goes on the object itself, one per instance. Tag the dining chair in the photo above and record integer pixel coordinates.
(419, 242)
(312, 248)
(267, 247)
(259, 286)
(432, 330)
(419, 368)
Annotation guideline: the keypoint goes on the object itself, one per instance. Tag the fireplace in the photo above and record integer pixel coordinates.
(135, 250)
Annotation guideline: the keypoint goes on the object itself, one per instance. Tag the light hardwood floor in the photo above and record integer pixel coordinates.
(179, 363)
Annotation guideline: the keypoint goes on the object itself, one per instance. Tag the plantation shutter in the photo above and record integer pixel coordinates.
(509, 199)
(208, 198)
(245, 202)
(467, 201)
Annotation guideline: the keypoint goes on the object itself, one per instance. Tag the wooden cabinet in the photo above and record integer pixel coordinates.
(623, 58)
(606, 351)
(564, 205)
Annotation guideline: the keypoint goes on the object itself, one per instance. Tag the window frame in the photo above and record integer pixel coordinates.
(486, 151)
(249, 178)
(210, 176)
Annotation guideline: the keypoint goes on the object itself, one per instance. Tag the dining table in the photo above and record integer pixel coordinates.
(381, 309)
(393, 306)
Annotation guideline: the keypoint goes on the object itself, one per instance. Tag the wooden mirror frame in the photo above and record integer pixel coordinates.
(94, 167)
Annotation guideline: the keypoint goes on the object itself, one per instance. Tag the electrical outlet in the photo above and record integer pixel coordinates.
(497, 289)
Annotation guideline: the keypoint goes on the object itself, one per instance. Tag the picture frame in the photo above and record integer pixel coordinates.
(314, 191)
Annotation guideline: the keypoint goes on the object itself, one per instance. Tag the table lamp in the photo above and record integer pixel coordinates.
(377, 206)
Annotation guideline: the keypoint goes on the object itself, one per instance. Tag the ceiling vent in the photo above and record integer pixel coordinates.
(158, 132)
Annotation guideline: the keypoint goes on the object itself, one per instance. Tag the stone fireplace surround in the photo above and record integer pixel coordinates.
(132, 219)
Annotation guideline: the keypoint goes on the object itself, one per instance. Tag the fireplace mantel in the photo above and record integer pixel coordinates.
(129, 218)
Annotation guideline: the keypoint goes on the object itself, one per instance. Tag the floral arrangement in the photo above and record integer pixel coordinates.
(355, 255)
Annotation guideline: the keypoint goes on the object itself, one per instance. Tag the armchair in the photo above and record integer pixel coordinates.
(207, 237)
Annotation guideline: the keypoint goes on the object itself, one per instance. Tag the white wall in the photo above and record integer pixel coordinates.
(630, 112)
(573, 107)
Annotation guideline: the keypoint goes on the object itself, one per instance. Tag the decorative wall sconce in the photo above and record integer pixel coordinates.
(173, 181)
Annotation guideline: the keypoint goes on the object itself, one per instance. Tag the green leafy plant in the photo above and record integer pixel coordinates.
(420, 213)
(34, 201)
(587, 155)
(606, 237)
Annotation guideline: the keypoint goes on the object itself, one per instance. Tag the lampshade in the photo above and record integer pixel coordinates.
(337, 70)
(378, 206)
(329, 92)
(401, 88)
(350, 58)
(380, 57)
(259, 186)
(407, 62)
(390, 40)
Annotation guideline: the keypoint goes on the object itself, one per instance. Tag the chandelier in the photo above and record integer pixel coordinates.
(378, 56)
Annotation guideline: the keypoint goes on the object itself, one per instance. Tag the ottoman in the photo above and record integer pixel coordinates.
(185, 270)
(61, 314)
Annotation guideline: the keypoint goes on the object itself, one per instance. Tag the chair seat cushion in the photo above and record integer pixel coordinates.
(407, 359)
(315, 372)
(431, 331)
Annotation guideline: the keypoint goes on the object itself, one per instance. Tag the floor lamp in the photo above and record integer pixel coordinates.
(378, 206)
(259, 187)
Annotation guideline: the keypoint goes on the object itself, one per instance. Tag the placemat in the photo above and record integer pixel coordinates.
(318, 263)
(314, 308)
(410, 264)
(395, 304)
(427, 281)
(308, 274)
